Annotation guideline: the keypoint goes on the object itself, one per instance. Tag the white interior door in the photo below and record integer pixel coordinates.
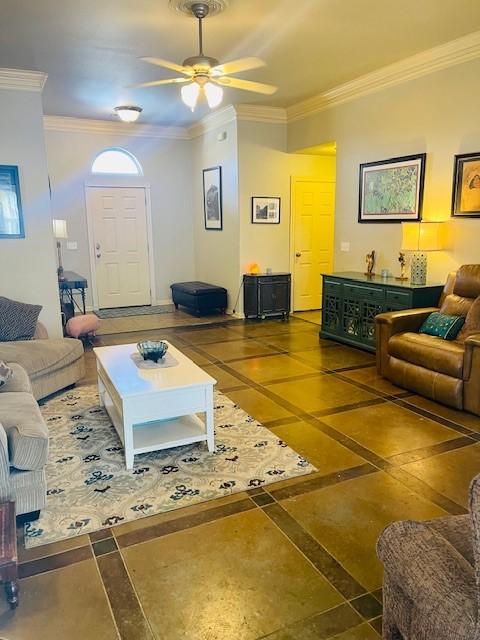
(118, 226)
(313, 204)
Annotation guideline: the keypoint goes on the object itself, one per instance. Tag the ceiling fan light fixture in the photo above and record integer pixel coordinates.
(190, 94)
(213, 93)
(128, 113)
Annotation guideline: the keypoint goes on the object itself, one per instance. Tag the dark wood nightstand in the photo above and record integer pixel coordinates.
(8, 552)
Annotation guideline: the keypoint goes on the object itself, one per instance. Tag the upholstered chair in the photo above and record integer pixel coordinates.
(443, 370)
(431, 585)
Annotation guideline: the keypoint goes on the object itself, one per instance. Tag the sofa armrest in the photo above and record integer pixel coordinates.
(388, 324)
(471, 365)
(474, 508)
(471, 374)
(41, 332)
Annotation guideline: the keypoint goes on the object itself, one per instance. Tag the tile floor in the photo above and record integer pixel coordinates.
(295, 560)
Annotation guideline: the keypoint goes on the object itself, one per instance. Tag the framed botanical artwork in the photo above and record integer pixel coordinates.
(212, 198)
(392, 190)
(466, 186)
(265, 210)
(11, 217)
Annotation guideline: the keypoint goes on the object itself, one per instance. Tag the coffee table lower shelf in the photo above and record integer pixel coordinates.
(160, 434)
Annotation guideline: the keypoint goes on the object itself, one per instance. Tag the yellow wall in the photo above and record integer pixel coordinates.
(265, 169)
(436, 114)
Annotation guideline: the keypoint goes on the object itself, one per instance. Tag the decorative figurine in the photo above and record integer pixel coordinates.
(370, 260)
(402, 261)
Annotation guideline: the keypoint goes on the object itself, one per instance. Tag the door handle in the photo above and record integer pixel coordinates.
(97, 248)
(298, 254)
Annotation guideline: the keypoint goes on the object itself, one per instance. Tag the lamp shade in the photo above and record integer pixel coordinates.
(422, 236)
(60, 229)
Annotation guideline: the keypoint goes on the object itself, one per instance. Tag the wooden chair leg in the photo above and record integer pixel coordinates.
(11, 590)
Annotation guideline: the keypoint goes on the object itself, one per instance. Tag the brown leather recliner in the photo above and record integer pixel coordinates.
(445, 371)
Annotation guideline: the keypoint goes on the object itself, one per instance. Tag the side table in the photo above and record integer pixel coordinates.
(266, 294)
(8, 552)
(73, 283)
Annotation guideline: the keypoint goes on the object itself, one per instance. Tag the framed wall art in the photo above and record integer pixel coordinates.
(212, 198)
(466, 186)
(392, 190)
(265, 210)
(11, 216)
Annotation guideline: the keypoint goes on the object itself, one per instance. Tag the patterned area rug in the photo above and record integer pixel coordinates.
(90, 489)
(124, 312)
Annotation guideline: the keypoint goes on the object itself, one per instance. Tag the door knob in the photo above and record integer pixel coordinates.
(298, 254)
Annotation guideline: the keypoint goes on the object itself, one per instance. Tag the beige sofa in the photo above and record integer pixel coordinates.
(40, 367)
(51, 363)
(23, 445)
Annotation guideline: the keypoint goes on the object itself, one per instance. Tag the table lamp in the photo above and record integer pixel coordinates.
(60, 233)
(421, 237)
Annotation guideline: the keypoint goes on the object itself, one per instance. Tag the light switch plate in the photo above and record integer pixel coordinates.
(72, 246)
(345, 246)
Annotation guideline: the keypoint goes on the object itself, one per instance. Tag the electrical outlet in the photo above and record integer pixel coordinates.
(345, 246)
(72, 246)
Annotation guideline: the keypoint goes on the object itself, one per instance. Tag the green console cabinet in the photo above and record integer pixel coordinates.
(350, 302)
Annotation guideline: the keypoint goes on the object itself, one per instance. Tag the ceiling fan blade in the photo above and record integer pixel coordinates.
(236, 66)
(246, 85)
(169, 65)
(156, 83)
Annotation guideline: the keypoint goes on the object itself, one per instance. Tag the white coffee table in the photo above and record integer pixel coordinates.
(154, 409)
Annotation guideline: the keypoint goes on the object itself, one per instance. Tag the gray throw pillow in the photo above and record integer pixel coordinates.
(18, 320)
(5, 373)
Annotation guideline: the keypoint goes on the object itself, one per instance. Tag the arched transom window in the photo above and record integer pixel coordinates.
(116, 161)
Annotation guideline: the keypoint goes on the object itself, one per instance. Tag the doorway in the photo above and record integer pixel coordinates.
(312, 239)
(118, 229)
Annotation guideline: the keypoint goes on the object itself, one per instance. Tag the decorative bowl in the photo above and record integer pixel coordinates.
(152, 349)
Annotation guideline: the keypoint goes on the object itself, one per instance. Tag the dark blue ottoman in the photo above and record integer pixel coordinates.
(199, 297)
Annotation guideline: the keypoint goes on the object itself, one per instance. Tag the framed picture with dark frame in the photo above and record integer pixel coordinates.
(265, 210)
(466, 186)
(392, 190)
(212, 198)
(11, 215)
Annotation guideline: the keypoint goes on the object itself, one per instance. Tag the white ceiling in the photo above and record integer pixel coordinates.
(90, 48)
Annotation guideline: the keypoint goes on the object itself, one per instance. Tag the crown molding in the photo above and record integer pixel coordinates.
(82, 125)
(441, 57)
(259, 113)
(212, 121)
(19, 79)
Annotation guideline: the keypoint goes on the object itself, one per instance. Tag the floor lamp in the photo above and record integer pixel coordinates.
(60, 233)
(421, 237)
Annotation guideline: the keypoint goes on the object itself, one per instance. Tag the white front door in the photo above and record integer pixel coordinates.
(313, 208)
(118, 226)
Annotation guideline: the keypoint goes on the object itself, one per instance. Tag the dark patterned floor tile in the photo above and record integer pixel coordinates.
(49, 563)
(318, 556)
(367, 606)
(126, 609)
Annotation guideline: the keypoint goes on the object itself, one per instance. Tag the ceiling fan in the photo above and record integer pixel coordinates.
(203, 75)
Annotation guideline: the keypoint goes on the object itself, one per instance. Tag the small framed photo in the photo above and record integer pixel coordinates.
(466, 186)
(11, 217)
(212, 198)
(265, 210)
(392, 190)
